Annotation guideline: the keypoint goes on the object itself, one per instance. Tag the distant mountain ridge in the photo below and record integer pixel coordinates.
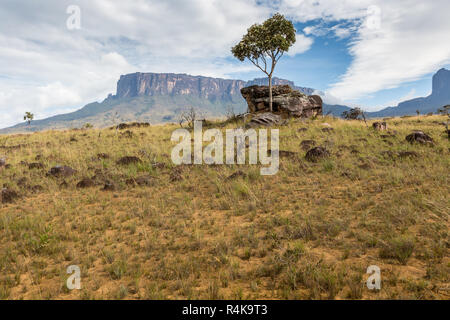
(439, 97)
(156, 98)
(161, 97)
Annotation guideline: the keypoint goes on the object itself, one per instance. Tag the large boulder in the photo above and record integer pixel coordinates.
(285, 101)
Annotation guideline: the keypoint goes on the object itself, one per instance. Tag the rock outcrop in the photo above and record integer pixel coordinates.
(286, 101)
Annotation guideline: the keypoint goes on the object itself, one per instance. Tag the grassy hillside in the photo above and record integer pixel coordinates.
(311, 231)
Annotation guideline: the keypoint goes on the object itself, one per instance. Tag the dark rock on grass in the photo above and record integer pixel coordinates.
(327, 130)
(380, 126)
(419, 137)
(36, 165)
(103, 156)
(408, 154)
(24, 163)
(22, 182)
(316, 154)
(62, 171)
(307, 144)
(73, 139)
(236, 175)
(8, 196)
(146, 180)
(266, 119)
(128, 160)
(85, 183)
(302, 130)
(2, 162)
(38, 157)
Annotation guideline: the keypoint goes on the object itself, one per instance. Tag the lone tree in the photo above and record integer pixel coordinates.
(265, 44)
(28, 117)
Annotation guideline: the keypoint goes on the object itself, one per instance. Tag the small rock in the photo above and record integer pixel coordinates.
(85, 183)
(128, 160)
(37, 188)
(380, 126)
(326, 125)
(317, 153)
(22, 182)
(8, 195)
(36, 165)
(2, 162)
(327, 130)
(266, 119)
(62, 171)
(145, 180)
(419, 137)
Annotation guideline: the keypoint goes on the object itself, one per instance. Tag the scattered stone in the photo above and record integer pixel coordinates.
(8, 196)
(266, 119)
(38, 157)
(236, 175)
(62, 171)
(85, 183)
(285, 100)
(419, 137)
(36, 165)
(128, 160)
(23, 163)
(380, 126)
(307, 144)
(73, 139)
(146, 180)
(317, 153)
(302, 130)
(2, 162)
(327, 130)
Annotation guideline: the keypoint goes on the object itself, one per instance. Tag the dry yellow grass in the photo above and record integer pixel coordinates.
(310, 232)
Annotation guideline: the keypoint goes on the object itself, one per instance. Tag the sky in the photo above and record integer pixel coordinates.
(58, 55)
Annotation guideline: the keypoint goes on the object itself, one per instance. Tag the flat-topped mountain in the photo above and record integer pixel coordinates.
(161, 97)
(156, 98)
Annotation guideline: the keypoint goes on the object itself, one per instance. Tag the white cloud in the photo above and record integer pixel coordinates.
(301, 45)
(412, 41)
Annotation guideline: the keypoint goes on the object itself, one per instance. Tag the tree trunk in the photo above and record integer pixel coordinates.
(270, 94)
